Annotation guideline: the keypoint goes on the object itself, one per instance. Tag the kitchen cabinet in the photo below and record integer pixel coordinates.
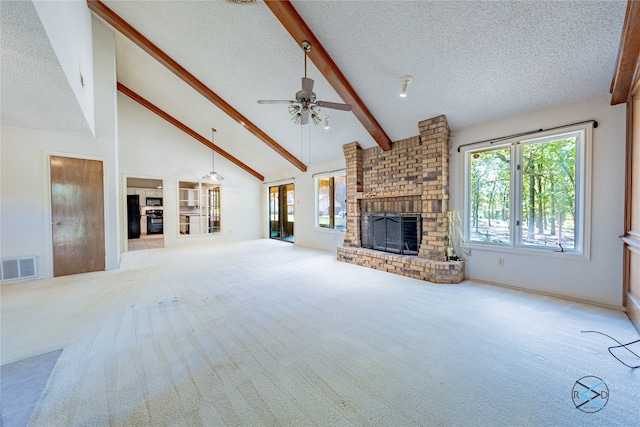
(143, 225)
(188, 197)
(153, 193)
(194, 224)
(190, 224)
(184, 224)
(140, 192)
(144, 193)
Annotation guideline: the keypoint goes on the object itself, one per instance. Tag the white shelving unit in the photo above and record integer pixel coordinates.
(197, 203)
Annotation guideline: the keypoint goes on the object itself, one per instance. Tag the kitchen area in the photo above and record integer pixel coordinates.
(145, 214)
(198, 211)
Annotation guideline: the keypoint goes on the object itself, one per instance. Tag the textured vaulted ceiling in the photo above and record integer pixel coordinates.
(34, 90)
(472, 61)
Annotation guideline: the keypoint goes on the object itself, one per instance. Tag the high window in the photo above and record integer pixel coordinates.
(531, 194)
(331, 197)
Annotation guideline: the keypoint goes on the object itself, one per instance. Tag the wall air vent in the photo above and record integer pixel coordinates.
(18, 268)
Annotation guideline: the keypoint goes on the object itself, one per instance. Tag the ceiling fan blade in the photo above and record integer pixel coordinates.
(275, 101)
(304, 117)
(334, 105)
(307, 87)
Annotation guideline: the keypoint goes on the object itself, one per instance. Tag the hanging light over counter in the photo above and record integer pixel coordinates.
(213, 175)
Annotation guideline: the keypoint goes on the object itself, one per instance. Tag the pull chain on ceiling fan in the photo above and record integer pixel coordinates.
(306, 105)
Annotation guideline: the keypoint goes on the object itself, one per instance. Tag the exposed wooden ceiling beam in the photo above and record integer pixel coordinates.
(628, 54)
(140, 100)
(291, 20)
(101, 10)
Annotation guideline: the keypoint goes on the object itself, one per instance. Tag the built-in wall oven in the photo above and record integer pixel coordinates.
(154, 221)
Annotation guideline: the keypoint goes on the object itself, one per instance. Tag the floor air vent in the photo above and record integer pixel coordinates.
(19, 268)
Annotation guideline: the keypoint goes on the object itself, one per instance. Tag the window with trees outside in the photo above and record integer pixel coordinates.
(531, 193)
(331, 197)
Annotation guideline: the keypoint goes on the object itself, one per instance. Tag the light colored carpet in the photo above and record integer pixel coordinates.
(267, 333)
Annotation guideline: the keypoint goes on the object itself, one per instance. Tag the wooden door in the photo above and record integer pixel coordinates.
(632, 235)
(77, 213)
(625, 87)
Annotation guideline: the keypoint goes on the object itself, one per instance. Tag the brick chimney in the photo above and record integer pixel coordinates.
(412, 177)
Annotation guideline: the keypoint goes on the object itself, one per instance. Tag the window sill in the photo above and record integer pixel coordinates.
(329, 230)
(529, 251)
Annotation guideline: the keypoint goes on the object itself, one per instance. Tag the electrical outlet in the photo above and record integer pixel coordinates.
(501, 261)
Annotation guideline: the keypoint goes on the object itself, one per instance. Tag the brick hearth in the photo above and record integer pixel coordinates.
(412, 177)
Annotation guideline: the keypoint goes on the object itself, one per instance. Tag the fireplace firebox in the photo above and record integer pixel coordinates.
(392, 232)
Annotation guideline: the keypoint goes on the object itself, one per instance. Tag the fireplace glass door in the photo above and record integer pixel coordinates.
(281, 212)
(392, 232)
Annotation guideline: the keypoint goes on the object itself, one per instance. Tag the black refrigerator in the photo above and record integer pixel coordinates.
(133, 215)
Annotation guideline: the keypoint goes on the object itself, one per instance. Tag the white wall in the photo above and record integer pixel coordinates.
(68, 25)
(598, 279)
(150, 147)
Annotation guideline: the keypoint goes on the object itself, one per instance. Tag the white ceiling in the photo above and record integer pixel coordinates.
(472, 61)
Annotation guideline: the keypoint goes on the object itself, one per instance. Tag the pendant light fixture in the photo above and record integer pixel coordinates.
(213, 175)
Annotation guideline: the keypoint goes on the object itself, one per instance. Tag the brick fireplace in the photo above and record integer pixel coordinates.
(411, 178)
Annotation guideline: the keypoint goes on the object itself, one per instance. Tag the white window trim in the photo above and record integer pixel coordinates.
(316, 216)
(584, 161)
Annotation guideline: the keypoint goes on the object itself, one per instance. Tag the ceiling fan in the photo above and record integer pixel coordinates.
(306, 105)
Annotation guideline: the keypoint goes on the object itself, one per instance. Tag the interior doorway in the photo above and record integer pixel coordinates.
(144, 213)
(281, 212)
(77, 215)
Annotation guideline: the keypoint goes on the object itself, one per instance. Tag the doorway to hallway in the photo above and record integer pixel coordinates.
(281, 212)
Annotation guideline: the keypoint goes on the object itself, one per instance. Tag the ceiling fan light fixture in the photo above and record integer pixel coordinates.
(294, 109)
(305, 103)
(326, 122)
(406, 80)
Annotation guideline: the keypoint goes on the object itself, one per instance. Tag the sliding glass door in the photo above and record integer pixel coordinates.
(281, 211)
